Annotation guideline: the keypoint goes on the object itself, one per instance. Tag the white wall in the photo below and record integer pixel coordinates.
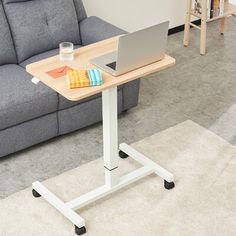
(177, 12)
(130, 15)
(133, 15)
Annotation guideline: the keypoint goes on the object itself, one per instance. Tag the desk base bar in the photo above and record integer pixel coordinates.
(106, 190)
(143, 160)
(59, 205)
(68, 209)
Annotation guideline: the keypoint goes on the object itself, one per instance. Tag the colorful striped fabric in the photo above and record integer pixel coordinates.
(84, 78)
(95, 77)
(77, 79)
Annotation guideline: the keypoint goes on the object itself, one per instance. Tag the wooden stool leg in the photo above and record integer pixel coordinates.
(203, 38)
(187, 24)
(203, 28)
(223, 25)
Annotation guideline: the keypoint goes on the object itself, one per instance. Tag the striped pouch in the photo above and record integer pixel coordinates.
(95, 77)
(77, 79)
(84, 78)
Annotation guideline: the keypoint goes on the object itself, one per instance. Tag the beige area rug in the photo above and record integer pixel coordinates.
(203, 202)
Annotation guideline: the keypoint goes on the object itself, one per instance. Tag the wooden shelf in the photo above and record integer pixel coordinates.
(229, 9)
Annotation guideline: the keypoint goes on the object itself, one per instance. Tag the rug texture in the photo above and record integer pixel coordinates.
(202, 203)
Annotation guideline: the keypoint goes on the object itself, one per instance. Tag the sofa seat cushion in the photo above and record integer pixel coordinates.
(20, 99)
(63, 102)
(7, 51)
(40, 25)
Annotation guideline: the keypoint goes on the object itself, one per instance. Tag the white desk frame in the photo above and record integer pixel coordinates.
(112, 180)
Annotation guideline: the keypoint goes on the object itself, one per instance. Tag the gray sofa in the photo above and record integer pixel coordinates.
(31, 30)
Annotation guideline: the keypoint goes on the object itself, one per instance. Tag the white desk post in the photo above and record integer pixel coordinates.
(110, 136)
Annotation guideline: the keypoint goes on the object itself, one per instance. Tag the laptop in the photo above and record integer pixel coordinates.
(135, 50)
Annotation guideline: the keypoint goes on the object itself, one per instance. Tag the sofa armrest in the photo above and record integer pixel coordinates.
(131, 94)
(94, 29)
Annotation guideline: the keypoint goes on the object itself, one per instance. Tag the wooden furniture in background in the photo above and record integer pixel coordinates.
(229, 9)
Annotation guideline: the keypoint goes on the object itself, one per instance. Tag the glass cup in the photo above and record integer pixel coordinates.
(66, 51)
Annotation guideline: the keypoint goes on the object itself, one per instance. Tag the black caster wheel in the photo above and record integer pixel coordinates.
(35, 194)
(80, 231)
(169, 185)
(123, 155)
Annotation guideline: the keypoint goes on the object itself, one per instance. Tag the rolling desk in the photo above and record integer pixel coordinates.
(110, 131)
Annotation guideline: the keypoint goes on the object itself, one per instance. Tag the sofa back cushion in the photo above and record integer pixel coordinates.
(40, 25)
(7, 51)
(80, 10)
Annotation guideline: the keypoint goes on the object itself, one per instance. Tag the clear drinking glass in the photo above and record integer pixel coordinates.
(66, 51)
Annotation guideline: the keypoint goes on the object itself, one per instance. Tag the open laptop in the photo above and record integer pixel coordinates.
(135, 50)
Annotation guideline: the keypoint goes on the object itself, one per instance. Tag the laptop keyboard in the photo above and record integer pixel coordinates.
(112, 65)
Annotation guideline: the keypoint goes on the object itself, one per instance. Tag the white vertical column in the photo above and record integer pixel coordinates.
(110, 136)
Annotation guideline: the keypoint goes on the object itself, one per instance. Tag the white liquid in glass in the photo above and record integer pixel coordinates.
(67, 54)
(66, 51)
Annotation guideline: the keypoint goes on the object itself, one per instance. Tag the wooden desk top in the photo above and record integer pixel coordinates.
(82, 57)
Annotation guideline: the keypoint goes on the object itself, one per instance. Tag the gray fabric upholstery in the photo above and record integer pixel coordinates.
(7, 51)
(39, 25)
(15, 1)
(39, 57)
(80, 10)
(28, 134)
(83, 115)
(20, 99)
(131, 94)
(79, 7)
(94, 29)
